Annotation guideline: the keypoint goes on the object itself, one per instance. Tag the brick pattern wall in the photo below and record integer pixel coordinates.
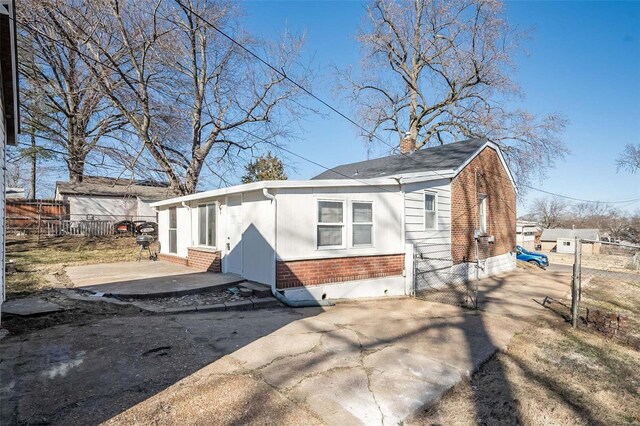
(204, 260)
(172, 258)
(300, 273)
(483, 175)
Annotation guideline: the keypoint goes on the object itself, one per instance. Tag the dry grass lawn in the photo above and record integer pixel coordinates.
(552, 374)
(606, 262)
(38, 264)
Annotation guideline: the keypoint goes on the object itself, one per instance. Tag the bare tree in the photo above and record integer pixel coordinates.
(549, 212)
(187, 92)
(440, 71)
(629, 159)
(61, 101)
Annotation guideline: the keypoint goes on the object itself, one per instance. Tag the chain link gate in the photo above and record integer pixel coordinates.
(438, 278)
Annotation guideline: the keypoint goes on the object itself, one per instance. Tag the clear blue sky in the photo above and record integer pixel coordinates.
(582, 60)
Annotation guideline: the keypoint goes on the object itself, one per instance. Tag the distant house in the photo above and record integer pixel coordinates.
(14, 193)
(355, 230)
(562, 240)
(103, 198)
(526, 234)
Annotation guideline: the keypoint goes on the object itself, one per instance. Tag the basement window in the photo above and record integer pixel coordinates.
(330, 228)
(173, 231)
(207, 225)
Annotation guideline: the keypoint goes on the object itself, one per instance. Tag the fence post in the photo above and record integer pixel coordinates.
(477, 273)
(39, 220)
(575, 283)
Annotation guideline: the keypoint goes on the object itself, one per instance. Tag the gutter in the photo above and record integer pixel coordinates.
(277, 294)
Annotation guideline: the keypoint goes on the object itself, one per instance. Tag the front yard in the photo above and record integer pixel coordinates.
(40, 266)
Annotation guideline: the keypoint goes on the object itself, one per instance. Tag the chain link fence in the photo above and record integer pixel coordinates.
(442, 276)
(606, 289)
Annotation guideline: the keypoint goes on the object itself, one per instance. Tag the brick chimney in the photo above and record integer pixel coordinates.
(407, 144)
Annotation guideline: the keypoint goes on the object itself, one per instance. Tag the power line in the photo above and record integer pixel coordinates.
(340, 113)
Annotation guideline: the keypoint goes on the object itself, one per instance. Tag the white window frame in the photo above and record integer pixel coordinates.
(372, 223)
(435, 210)
(343, 224)
(174, 209)
(483, 226)
(215, 209)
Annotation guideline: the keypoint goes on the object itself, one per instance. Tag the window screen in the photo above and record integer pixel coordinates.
(362, 224)
(173, 231)
(429, 211)
(207, 225)
(330, 223)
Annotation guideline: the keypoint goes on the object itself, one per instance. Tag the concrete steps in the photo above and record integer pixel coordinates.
(250, 288)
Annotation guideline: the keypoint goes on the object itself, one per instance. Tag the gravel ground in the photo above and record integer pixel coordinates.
(212, 298)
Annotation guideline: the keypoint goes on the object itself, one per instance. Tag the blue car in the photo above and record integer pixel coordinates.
(537, 259)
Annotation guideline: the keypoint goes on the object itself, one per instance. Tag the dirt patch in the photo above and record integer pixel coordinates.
(76, 312)
(549, 374)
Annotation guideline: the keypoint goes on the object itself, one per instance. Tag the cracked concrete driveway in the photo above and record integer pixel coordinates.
(371, 362)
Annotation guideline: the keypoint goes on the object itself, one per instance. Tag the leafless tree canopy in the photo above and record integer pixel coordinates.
(629, 159)
(62, 103)
(440, 71)
(554, 212)
(190, 97)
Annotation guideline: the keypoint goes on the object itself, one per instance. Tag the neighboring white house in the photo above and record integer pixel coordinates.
(562, 240)
(341, 237)
(9, 119)
(526, 234)
(103, 198)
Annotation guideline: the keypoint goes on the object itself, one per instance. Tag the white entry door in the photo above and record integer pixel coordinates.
(234, 235)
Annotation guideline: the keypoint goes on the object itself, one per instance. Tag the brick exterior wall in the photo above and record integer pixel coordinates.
(300, 273)
(483, 175)
(172, 258)
(202, 260)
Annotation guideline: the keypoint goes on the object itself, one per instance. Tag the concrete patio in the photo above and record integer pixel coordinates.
(147, 279)
(373, 362)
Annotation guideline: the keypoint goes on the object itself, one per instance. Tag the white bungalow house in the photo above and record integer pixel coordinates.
(351, 231)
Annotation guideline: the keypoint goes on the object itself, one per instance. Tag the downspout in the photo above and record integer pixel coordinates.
(281, 297)
(188, 207)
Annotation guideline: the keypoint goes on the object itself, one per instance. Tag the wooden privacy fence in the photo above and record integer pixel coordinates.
(80, 227)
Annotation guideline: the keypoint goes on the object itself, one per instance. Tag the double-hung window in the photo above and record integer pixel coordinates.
(207, 225)
(362, 221)
(330, 232)
(173, 230)
(430, 211)
(482, 207)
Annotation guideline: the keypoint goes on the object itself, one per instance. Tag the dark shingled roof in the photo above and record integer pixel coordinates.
(442, 157)
(110, 187)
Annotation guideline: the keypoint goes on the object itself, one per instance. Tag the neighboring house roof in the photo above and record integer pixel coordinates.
(555, 233)
(14, 192)
(110, 187)
(443, 157)
(9, 71)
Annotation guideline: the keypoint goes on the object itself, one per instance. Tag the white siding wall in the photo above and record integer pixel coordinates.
(104, 208)
(258, 261)
(297, 218)
(414, 212)
(4, 204)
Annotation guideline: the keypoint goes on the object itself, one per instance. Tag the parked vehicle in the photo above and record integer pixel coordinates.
(534, 258)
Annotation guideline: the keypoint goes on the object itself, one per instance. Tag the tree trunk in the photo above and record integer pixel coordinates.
(34, 161)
